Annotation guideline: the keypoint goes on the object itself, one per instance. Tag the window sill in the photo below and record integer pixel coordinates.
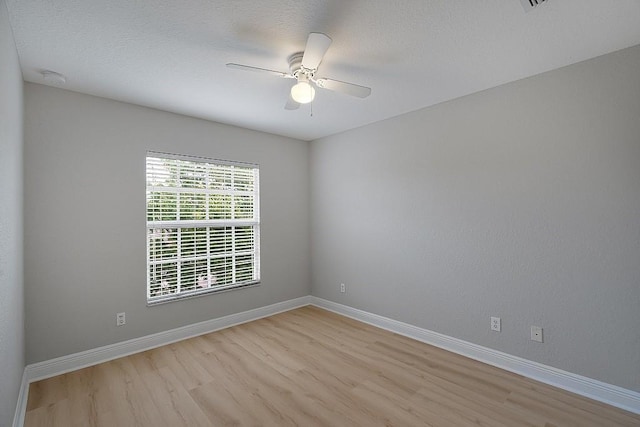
(198, 294)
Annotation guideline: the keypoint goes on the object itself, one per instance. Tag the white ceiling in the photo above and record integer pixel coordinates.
(171, 54)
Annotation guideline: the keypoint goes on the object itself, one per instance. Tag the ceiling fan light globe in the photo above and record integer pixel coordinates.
(303, 92)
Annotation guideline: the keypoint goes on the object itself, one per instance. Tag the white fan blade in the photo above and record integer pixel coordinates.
(317, 45)
(260, 70)
(291, 104)
(343, 87)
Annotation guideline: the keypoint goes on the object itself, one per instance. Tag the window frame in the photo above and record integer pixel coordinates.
(230, 225)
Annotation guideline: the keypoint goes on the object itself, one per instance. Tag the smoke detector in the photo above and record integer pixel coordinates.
(529, 5)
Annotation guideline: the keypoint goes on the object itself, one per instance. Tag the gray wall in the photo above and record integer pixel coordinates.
(11, 277)
(85, 218)
(521, 202)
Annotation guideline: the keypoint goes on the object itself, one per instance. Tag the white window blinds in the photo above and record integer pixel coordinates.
(203, 226)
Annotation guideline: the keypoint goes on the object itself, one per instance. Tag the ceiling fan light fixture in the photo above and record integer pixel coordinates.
(303, 67)
(302, 92)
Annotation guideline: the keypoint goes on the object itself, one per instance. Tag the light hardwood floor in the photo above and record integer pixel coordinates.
(306, 367)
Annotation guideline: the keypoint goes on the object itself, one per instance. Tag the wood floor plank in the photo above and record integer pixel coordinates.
(148, 361)
(331, 396)
(392, 409)
(47, 391)
(53, 414)
(306, 367)
(174, 404)
(592, 408)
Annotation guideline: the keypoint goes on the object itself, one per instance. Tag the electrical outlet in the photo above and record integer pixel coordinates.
(496, 324)
(343, 288)
(536, 333)
(120, 319)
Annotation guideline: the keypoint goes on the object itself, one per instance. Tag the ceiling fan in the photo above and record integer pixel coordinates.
(303, 67)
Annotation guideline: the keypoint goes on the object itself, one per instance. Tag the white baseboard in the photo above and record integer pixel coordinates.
(21, 405)
(72, 362)
(593, 389)
(597, 390)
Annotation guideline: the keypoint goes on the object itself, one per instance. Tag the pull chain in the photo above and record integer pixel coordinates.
(311, 95)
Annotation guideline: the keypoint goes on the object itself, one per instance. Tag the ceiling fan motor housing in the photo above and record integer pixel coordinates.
(296, 69)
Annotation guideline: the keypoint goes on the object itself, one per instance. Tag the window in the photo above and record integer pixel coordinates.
(203, 226)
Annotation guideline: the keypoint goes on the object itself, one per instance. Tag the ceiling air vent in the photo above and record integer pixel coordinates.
(529, 5)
